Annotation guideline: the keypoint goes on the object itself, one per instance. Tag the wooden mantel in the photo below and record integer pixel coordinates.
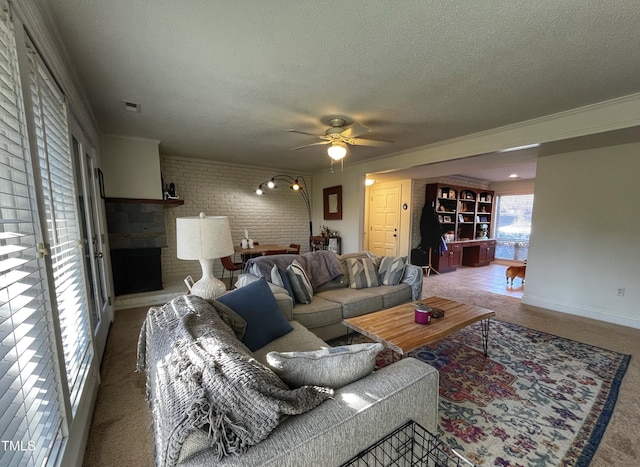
(167, 202)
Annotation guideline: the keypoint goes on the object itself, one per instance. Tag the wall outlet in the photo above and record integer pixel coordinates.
(620, 292)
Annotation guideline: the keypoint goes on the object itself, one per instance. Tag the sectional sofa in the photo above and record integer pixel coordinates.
(227, 342)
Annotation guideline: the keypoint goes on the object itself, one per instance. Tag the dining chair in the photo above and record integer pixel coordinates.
(229, 265)
(275, 252)
(296, 247)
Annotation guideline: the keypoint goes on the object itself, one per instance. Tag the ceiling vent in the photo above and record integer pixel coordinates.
(131, 106)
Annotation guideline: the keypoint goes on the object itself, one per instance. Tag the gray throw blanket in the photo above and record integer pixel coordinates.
(321, 266)
(200, 376)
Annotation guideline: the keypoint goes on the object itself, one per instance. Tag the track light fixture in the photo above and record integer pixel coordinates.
(298, 184)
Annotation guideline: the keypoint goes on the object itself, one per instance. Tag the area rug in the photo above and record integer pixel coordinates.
(537, 400)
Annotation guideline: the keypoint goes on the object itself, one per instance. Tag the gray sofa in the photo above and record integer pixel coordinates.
(355, 417)
(334, 300)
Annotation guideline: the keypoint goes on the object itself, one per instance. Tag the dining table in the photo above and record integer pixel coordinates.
(260, 249)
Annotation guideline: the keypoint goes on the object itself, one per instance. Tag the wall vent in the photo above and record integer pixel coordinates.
(131, 106)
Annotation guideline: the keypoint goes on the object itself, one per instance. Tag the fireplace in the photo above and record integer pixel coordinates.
(136, 270)
(136, 236)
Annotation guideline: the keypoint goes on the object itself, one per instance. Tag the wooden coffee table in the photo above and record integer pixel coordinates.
(396, 328)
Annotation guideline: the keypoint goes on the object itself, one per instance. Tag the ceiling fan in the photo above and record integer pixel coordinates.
(341, 133)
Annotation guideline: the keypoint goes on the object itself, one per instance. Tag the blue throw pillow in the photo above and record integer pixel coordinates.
(256, 304)
(287, 284)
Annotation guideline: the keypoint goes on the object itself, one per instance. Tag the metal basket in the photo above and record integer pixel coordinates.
(410, 445)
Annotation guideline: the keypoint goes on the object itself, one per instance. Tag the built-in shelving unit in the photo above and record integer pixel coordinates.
(465, 216)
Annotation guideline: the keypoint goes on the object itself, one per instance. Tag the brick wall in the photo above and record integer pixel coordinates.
(279, 216)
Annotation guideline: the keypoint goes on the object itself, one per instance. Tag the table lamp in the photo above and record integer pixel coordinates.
(205, 238)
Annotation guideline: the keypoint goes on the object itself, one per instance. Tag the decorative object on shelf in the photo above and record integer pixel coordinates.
(298, 184)
(332, 202)
(205, 238)
(170, 191)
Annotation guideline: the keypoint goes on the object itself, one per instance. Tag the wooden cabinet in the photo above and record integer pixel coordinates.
(451, 259)
(479, 253)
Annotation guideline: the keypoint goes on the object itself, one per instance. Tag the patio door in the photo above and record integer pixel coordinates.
(93, 234)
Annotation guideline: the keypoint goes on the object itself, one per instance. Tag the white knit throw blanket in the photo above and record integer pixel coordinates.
(200, 376)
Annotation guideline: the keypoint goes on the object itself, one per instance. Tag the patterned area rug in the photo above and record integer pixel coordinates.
(537, 400)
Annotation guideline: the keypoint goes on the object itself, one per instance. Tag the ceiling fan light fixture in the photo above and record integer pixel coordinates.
(337, 151)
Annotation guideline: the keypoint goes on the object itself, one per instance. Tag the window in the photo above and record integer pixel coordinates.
(30, 410)
(58, 188)
(513, 226)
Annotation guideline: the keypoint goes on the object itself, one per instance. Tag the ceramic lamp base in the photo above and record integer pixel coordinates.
(209, 286)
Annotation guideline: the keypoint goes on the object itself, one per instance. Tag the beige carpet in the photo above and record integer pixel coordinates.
(121, 428)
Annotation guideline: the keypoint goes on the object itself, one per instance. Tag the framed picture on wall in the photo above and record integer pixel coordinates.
(332, 202)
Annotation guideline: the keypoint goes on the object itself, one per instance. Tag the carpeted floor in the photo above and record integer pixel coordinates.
(121, 432)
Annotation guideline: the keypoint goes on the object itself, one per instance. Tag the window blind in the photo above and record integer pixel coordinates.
(30, 403)
(65, 239)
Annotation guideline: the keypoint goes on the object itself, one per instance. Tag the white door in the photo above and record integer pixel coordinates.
(384, 221)
(93, 233)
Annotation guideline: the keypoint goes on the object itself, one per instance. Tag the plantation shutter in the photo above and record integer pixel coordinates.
(63, 227)
(30, 401)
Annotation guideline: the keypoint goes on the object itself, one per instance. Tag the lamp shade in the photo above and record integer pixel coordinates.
(203, 237)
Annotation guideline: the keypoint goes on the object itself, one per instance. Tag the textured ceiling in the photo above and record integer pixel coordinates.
(223, 80)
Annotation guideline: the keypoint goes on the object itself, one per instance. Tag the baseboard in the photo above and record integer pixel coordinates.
(587, 312)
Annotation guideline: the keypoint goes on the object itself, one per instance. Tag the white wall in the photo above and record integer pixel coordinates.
(583, 244)
(277, 217)
(131, 167)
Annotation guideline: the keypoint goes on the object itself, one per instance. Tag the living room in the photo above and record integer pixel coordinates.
(218, 136)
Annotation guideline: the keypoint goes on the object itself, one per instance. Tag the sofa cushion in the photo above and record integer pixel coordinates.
(353, 302)
(391, 295)
(319, 312)
(362, 273)
(256, 304)
(299, 283)
(391, 269)
(332, 367)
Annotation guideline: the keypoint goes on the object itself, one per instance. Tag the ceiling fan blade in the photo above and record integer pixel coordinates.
(312, 144)
(355, 130)
(291, 130)
(368, 142)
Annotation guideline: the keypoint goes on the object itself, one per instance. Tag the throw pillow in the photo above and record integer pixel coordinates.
(333, 367)
(256, 304)
(391, 269)
(300, 283)
(362, 273)
(275, 276)
(287, 284)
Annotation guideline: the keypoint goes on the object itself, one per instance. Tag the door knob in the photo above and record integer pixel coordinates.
(99, 255)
